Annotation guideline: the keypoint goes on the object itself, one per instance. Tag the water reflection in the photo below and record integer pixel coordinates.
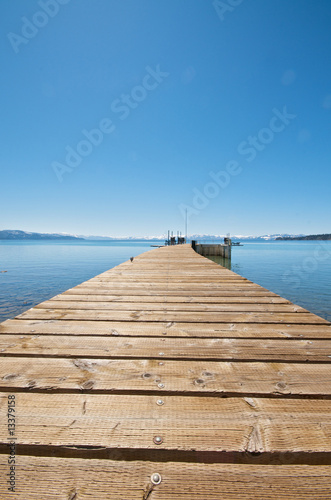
(222, 261)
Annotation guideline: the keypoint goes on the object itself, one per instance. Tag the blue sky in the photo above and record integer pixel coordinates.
(118, 116)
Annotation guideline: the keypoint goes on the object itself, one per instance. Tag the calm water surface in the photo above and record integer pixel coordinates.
(36, 271)
(300, 271)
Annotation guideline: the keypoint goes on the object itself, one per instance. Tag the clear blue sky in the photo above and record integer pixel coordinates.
(177, 89)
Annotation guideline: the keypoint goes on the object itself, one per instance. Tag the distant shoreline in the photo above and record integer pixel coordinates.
(312, 237)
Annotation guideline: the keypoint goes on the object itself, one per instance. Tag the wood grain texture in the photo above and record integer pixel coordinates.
(63, 478)
(172, 348)
(182, 377)
(223, 425)
(171, 328)
(177, 316)
(165, 291)
(178, 299)
(169, 307)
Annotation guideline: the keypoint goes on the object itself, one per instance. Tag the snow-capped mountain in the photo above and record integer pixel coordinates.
(25, 235)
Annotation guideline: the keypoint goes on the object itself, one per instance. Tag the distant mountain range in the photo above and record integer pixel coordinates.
(240, 237)
(25, 235)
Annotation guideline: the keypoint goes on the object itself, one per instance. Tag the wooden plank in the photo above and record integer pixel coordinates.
(141, 347)
(191, 317)
(182, 377)
(188, 286)
(171, 329)
(168, 292)
(170, 299)
(159, 271)
(53, 478)
(175, 275)
(169, 306)
(227, 280)
(220, 425)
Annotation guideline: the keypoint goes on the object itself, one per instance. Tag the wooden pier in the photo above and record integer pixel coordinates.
(166, 378)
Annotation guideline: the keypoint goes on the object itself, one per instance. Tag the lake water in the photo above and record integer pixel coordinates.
(297, 270)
